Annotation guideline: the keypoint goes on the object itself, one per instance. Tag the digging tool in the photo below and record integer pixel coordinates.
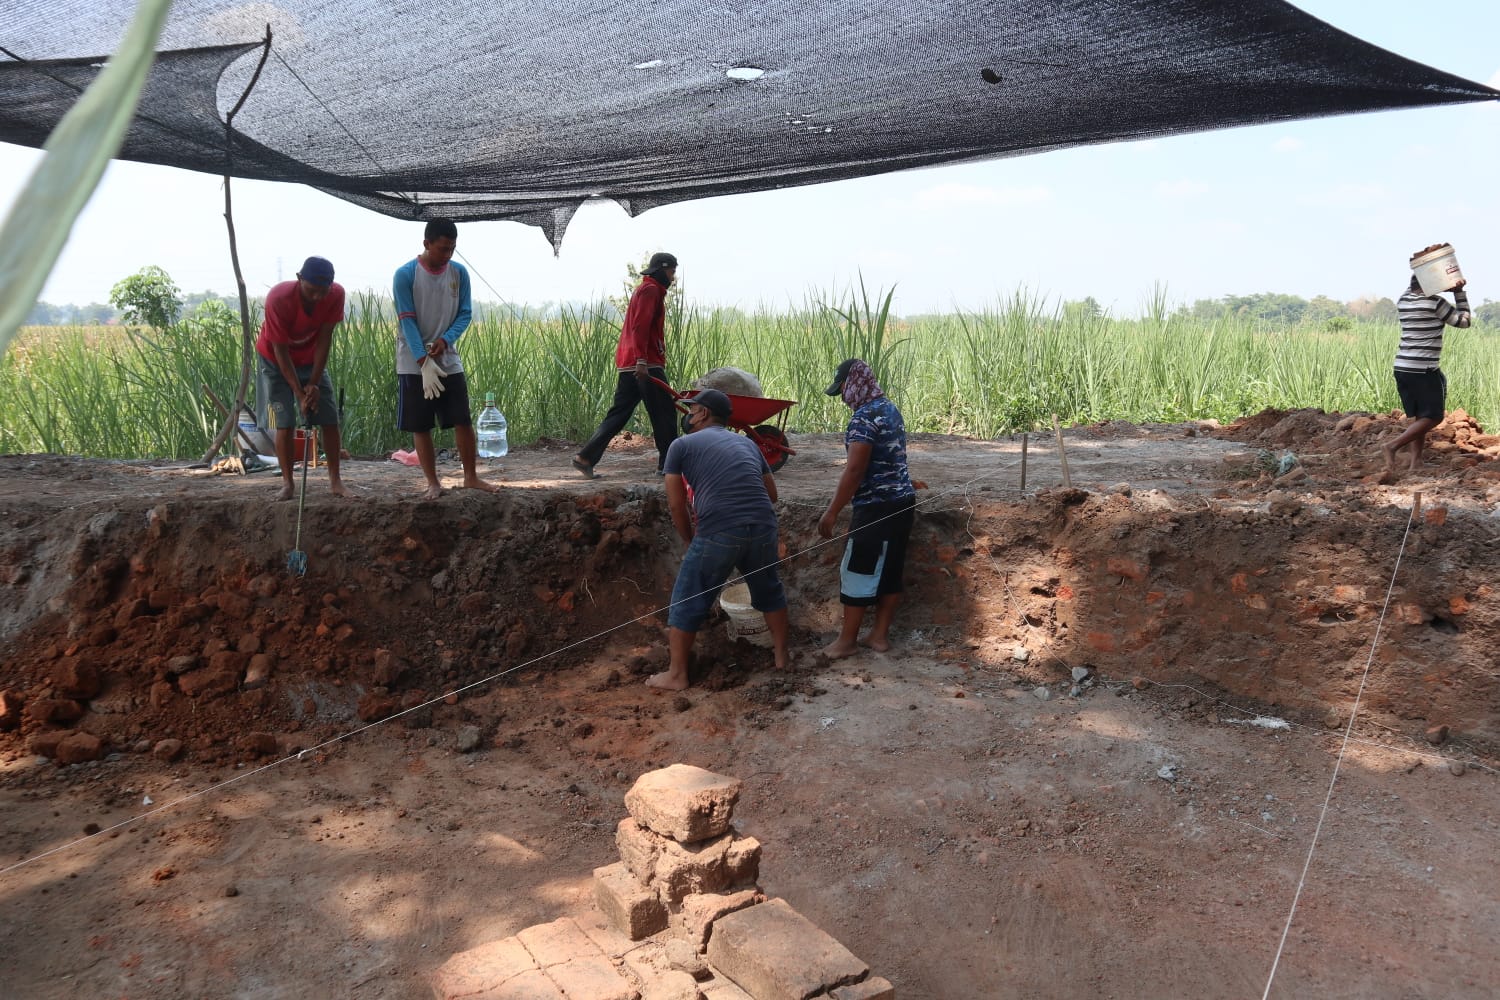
(1062, 455)
(296, 560)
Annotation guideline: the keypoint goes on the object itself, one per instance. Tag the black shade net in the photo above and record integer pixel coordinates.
(507, 110)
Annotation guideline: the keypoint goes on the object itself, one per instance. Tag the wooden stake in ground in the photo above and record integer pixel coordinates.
(1062, 455)
(1416, 520)
(1024, 438)
(225, 410)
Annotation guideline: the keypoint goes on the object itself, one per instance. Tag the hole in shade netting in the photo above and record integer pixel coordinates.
(552, 113)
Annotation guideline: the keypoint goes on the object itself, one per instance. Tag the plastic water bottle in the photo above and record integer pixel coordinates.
(490, 429)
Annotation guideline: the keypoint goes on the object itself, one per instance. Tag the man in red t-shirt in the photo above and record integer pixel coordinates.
(640, 357)
(292, 383)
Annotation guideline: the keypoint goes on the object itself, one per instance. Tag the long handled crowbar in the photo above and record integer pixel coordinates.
(296, 560)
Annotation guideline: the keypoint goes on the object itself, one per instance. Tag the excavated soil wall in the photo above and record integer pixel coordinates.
(1052, 763)
(165, 617)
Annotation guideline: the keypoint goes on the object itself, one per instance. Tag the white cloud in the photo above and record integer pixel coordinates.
(962, 195)
(1181, 189)
(1286, 144)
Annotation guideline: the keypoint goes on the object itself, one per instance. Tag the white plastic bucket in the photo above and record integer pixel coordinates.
(745, 623)
(1437, 270)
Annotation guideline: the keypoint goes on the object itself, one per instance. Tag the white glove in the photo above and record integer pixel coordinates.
(432, 380)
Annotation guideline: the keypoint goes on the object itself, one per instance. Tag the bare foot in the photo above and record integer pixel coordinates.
(836, 650)
(287, 492)
(338, 489)
(475, 483)
(664, 681)
(432, 492)
(880, 644)
(1388, 454)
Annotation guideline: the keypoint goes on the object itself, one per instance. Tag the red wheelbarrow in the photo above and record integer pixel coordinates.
(750, 416)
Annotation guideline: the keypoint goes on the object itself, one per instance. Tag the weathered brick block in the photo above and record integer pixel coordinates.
(721, 988)
(684, 802)
(638, 849)
(671, 986)
(259, 670)
(221, 676)
(557, 942)
(591, 976)
(773, 952)
(631, 908)
(75, 748)
(873, 988)
(76, 678)
(694, 921)
(488, 971)
(673, 870)
(743, 860)
(59, 710)
(11, 705)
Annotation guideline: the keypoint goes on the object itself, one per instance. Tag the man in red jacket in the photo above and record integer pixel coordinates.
(641, 355)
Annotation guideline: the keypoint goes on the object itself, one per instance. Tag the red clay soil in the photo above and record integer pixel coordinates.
(961, 812)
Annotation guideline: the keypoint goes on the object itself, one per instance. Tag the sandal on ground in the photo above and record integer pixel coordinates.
(585, 469)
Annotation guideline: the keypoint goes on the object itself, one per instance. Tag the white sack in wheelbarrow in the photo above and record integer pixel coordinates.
(734, 381)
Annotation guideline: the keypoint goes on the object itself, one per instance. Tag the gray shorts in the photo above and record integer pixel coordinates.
(276, 405)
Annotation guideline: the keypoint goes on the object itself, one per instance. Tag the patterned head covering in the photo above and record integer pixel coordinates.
(860, 386)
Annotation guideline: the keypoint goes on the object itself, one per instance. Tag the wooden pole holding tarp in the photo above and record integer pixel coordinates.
(247, 340)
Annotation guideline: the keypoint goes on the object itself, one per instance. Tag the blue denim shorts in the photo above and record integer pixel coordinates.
(712, 559)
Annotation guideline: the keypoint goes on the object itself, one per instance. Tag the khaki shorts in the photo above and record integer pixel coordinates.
(276, 405)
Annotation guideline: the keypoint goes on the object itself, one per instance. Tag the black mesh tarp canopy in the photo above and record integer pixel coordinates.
(522, 110)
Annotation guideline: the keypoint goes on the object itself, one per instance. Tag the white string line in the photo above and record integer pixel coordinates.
(1339, 762)
(560, 363)
(398, 195)
(467, 687)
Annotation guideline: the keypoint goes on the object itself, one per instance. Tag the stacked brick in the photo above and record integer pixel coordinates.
(681, 863)
(683, 919)
(685, 870)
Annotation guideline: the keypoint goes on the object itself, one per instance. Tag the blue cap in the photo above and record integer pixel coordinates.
(317, 271)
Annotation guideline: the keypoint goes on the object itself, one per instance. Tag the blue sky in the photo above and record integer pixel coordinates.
(1332, 206)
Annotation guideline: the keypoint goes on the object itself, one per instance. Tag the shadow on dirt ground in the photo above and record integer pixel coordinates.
(1091, 767)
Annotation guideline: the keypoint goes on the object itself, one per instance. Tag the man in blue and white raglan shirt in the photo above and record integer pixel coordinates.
(433, 308)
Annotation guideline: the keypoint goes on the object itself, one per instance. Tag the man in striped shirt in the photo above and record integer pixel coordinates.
(1419, 380)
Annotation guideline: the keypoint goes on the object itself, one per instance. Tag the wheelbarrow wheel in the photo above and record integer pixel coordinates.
(772, 445)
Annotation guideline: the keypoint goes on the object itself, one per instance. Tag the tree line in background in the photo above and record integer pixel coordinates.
(150, 298)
